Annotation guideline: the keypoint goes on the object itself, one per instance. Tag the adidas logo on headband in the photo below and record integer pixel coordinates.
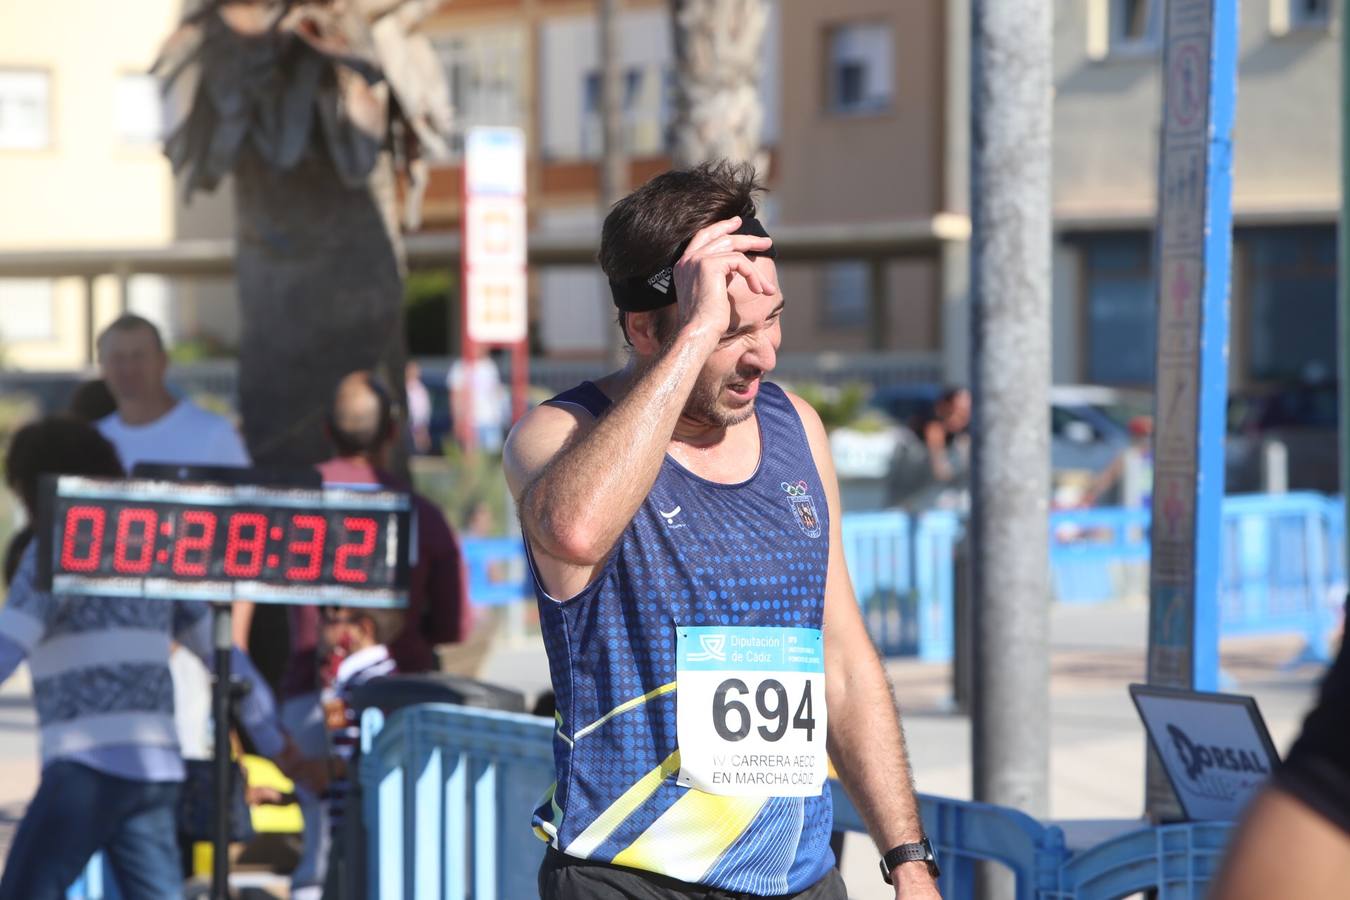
(661, 280)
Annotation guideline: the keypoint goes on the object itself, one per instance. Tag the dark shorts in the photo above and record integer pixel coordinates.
(563, 877)
(1317, 770)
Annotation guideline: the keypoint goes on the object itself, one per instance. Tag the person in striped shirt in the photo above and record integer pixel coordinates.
(111, 766)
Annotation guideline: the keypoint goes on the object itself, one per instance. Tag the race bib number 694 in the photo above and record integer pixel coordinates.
(750, 709)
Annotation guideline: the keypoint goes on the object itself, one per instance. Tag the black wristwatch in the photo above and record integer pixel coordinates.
(920, 852)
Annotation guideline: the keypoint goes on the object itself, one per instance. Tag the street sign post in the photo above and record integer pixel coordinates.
(494, 305)
(1193, 257)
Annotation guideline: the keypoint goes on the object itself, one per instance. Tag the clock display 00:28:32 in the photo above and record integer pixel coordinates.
(173, 541)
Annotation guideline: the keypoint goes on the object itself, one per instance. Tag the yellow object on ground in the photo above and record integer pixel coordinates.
(267, 818)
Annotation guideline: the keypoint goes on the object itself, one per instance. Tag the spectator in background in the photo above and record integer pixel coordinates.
(419, 408)
(363, 427)
(91, 401)
(151, 424)
(111, 766)
(945, 432)
(355, 642)
(484, 381)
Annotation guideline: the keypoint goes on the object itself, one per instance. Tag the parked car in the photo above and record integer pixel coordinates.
(1089, 424)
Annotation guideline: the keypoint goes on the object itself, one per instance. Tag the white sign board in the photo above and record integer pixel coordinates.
(496, 230)
(1214, 747)
(494, 162)
(497, 309)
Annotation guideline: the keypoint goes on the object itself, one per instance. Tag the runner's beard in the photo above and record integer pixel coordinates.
(705, 402)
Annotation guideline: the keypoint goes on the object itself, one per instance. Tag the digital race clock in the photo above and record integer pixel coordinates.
(197, 541)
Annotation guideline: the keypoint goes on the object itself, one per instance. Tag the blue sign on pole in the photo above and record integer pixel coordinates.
(1193, 257)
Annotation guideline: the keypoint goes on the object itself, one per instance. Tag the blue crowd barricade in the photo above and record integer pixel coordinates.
(497, 569)
(1277, 569)
(964, 833)
(935, 540)
(95, 882)
(877, 551)
(1176, 861)
(903, 574)
(1090, 550)
(1283, 565)
(448, 791)
(446, 798)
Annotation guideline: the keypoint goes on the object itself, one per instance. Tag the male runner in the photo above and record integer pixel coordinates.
(705, 644)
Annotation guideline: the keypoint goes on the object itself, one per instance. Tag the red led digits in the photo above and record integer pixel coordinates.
(360, 550)
(190, 543)
(75, 516)
(123, 563)
(311, 549)
(252, 547)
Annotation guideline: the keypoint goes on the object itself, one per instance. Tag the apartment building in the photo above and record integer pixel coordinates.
(81, 168)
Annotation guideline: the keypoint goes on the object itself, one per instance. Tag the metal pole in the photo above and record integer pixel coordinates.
(90, 323)
(1193, 258)
(220, 710)
(1010, 339)
(614, 163)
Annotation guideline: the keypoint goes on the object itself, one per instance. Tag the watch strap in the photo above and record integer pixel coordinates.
(917, 852)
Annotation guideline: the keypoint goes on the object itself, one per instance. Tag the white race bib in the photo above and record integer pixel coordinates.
(750, 709)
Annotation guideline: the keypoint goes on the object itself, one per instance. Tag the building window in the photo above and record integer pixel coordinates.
(1124, 27)
(487, 80)
(1299, 15)
(1121, 312)
(1289, 275)
(139, 110)
(25, 109)
(646, 108)
(844, 295)
(860, 68)
(26, 310)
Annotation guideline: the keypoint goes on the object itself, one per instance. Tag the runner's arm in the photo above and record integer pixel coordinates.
(1284, 849)
(866, 744)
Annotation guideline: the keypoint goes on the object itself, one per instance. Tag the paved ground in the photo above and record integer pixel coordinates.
(1097, 742)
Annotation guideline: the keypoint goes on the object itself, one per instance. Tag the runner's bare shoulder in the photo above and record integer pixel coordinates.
(538, 438)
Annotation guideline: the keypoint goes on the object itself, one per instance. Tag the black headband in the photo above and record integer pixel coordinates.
(641, 294)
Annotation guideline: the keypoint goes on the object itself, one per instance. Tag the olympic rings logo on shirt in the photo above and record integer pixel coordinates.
(794, 490)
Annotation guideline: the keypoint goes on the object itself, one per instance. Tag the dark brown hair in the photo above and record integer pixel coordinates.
(57, 445)
(649, 228)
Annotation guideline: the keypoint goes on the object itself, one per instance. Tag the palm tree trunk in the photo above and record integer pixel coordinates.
(718, 114)
(320, 274)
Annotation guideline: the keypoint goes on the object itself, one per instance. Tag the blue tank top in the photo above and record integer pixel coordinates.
(697, 553)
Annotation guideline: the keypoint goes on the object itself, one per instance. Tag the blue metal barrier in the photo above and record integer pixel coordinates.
(446, 794)
(877, 550)
(95, 882)
(497, 569)
(935, 541)
(1277, 571)
(1178, 861)
(1283, 570)
(448, 790)
(1090, 548)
